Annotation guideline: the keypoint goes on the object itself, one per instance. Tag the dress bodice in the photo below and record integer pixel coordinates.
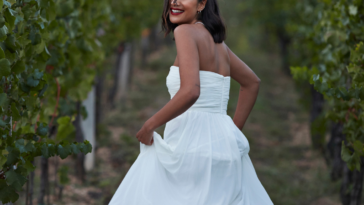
(214, 93)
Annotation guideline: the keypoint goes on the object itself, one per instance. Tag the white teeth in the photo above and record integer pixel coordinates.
(176, 11)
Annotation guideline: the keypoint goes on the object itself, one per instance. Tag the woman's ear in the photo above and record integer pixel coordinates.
(202, 5)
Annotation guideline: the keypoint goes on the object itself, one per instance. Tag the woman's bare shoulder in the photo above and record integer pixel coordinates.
(225, 46)
(230, 53)
(186, 31)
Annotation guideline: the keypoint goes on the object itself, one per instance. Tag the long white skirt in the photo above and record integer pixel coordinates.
(202, 160)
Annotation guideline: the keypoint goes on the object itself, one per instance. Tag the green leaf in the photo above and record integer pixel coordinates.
(300, 73)
(3, 124)
(13, 155)
(315, 77)
(81, 146)
(30, 102)
(42, 129)
(39, 48)
(19, 67)
(35, 37)
(2, 21)
(15, 112)
(15, 179)
(75, 149)
(353, 68)
(52, 149)
(11, 2)
(2, 161)
(359, 77)
(10, 43)
(64, 120)
(29, 10)
(10, 56)
(49, 13)
(23, 40)
(358, 146)
(9, 18)
(20, 144)
(32, 82)
(7, 193)
(2, 54)
(7, 3)
(65, 128)
(3, 32)
(37, 75)
(44, 150)
(84, 112)
(5, 68)
(29, 166)
(346, 154)
(3, 99)
(41, 93)
(24, 88)
(44, 3)
(87, 148)
(29, 147)
(353, 10)
(22, 160)
(63, 151)
(2, 184)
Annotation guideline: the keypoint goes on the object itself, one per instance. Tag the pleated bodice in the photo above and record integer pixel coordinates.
(214, 93)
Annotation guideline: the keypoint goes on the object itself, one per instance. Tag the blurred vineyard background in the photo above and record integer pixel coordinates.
(79, 78)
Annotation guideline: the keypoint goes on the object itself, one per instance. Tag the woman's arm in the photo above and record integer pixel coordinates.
(249, 87)
(189, 92)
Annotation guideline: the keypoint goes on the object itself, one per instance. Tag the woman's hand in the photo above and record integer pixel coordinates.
(145, 135)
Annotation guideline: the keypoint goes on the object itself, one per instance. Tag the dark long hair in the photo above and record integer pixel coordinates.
(210, 17)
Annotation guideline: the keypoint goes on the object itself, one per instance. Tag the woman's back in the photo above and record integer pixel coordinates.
(213, 56)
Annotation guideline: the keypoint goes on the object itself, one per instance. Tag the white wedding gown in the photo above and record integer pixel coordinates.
(202, 160)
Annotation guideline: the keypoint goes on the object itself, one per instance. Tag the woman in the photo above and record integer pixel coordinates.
(203, 158)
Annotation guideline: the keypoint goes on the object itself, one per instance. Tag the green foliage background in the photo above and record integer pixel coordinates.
(331, 35)
(325, 49)
(50, 53)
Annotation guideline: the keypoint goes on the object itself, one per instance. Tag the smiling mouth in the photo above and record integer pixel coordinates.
(176, 11)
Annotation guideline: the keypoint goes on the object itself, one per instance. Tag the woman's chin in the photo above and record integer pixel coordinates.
(178, 20)
(175, 21)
